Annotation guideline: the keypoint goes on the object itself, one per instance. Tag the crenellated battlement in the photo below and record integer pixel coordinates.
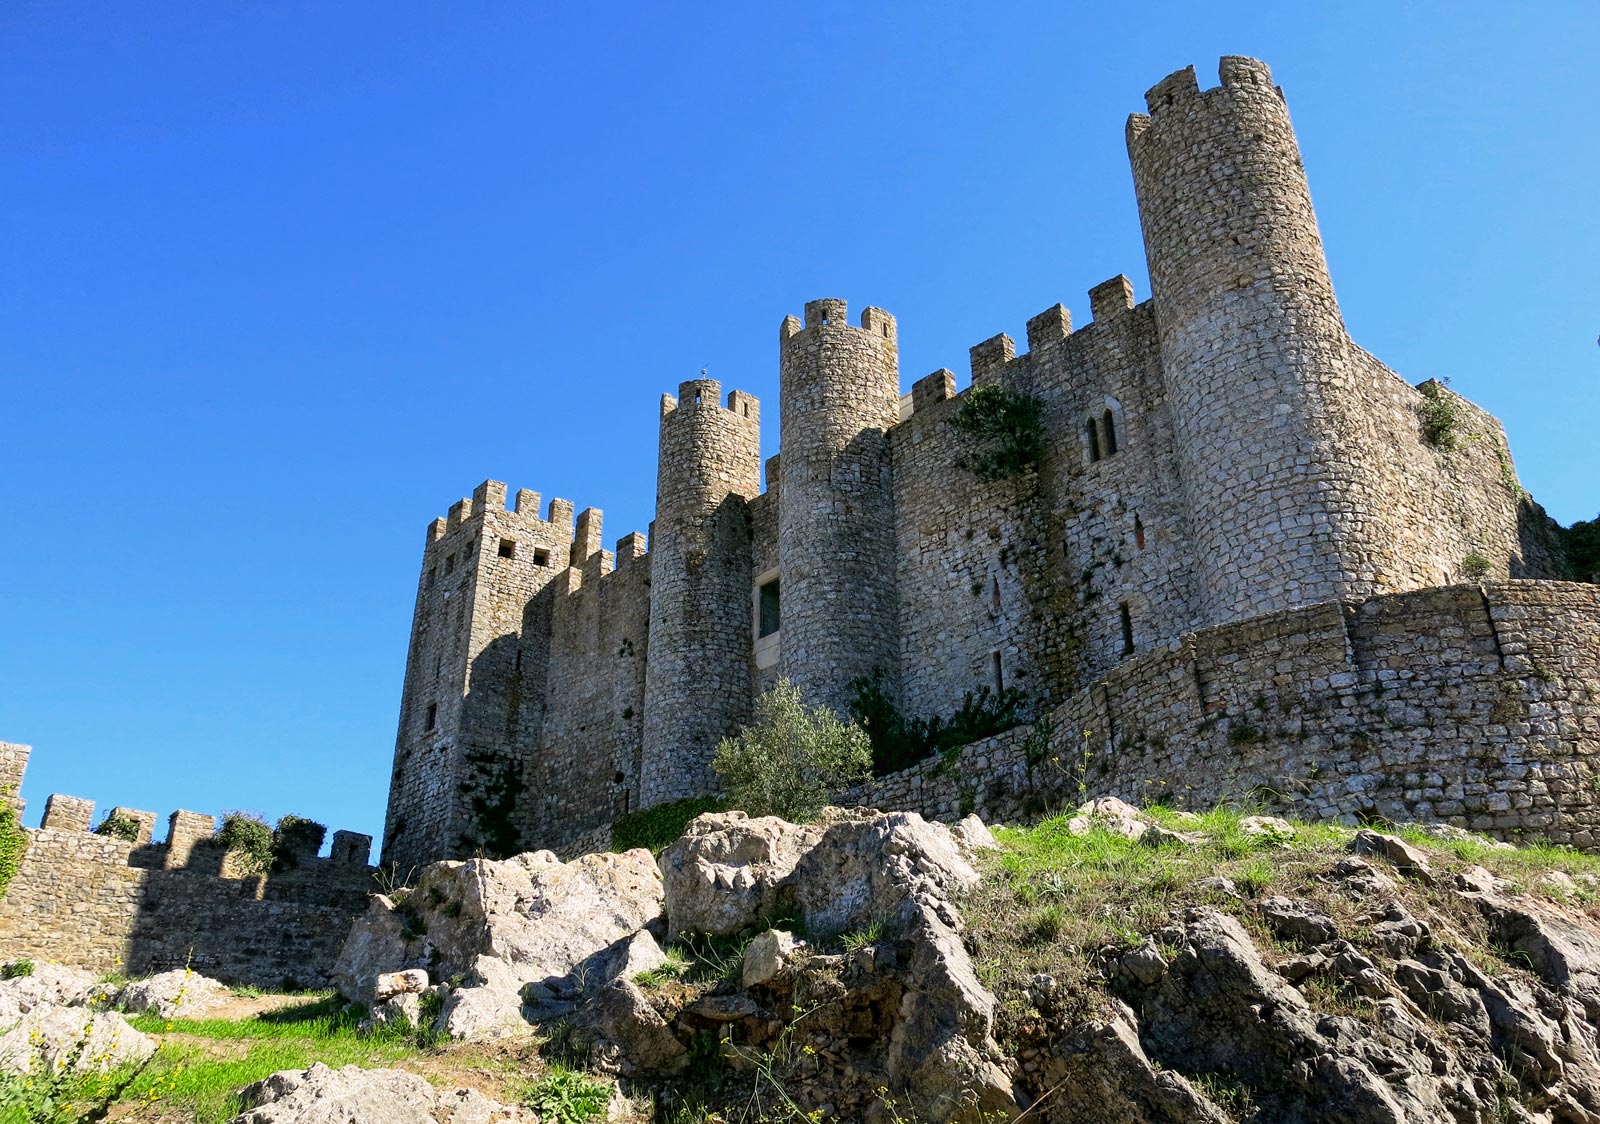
(1215, 453)
(1179, 93)
(706, 394)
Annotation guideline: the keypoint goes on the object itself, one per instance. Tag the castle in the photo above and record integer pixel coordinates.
(1243, 532)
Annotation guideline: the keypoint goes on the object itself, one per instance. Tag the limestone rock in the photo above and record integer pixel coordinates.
(1295, 920)
(529, 931)
(1409, 861)
(973, 836)
(630, 1033)
(47, 985)
(353, 1095)
(179, 993)
(401, 1011)
(1109, 814)
(54, 1033)
(411, 981)
(880, 867)
(768, 956)
(1270, 828)
(728, 872)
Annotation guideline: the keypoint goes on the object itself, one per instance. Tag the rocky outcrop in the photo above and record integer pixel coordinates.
(178, 993)
(353, 1095)
(86, 1039)
(1438, 1039)
(511, 940)
(729, 873)
(50, 985)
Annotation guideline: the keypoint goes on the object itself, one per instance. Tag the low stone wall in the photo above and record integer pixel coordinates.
(137, 907)
(1475, 705)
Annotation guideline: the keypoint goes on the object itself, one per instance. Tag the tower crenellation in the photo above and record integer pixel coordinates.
(1217, 456)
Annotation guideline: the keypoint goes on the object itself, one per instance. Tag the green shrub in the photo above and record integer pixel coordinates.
(247, 836)
(119, 827)
(1582, 543)
(16, 969)
(792, 759)
(1003, 433)
(565, 1096)
(1475, 566)
(659, 827)
(13, 841)
(296, 835)
(1440, 415)
(899, 742)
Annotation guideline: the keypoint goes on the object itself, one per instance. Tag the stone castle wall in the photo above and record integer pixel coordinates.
(1218, 453)
(138, 907)
(1478, 706)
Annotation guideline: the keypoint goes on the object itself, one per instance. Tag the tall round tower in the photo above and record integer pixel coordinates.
(839, 390)
(697, 669)
(1273, 446)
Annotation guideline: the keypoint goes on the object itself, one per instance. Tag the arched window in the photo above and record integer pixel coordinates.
(1093, 433)
(1111, 432)
(1138, 532)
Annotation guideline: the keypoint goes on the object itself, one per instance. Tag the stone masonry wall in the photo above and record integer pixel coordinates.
(135, 907)
(1478, 706)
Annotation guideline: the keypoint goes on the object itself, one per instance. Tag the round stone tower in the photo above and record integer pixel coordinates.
(840, 391)
(1273, 445)
(697, 669)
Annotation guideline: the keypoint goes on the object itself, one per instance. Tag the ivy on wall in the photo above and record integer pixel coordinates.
(1004, 434)
(13, 841)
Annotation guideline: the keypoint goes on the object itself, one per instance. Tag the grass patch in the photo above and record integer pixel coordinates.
(204, 1062)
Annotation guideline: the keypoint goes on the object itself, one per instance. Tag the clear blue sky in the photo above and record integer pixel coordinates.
(278, 282)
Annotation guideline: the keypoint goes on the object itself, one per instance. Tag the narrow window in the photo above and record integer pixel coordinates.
(433, 716)
(472, 544)
(697, 399)
(999, 673)
(508, 548)
(994, 593)
(1138, 532)
(768, 619)
(1094, 441)
(438, 663)
(433, 574)
(449, 563)
(1111, 432)
(541, 557)
(1127, 628)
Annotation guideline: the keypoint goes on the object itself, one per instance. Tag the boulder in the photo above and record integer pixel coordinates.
(529, 931)
(180, 993)
(47, 985)
(768, 956)
(1109, 814)
(353, 1095)
(973, 836)
(91, 1040)
(1268, 828)
(629, 1033)
(728, 872)
(877, 867)
(411, 981)
(1408, 860)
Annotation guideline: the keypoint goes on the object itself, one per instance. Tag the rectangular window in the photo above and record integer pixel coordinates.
(508, 548)
(433, 574)
(449, 563)
(433, 716)
(999, 673)
(767, 617)
(1127, 628)
(541, 557)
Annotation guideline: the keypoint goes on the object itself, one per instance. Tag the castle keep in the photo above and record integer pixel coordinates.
(1238, 515)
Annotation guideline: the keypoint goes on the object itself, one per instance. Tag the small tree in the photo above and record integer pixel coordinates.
(792, 758)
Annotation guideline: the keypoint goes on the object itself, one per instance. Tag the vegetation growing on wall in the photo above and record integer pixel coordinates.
(1003, 432)
(792, 758)
(494, 798)
(1440, 415)
(295, 836)
(246, 836)
(13, 840)
(119, 827)
(656, 827)
(898, 742)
